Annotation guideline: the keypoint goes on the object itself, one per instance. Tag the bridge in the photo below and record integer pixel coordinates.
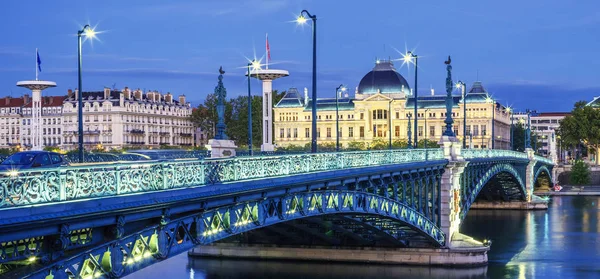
(109, 220)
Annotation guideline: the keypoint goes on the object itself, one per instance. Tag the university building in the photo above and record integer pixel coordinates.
(111, 118)
(382, 104)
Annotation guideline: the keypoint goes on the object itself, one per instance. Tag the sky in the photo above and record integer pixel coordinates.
(536, 54)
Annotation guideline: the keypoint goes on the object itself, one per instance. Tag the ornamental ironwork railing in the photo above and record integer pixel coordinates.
(492, 153)
(38, 186)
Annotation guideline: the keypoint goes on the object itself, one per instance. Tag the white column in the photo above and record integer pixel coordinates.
(267, 133)
(36, 115)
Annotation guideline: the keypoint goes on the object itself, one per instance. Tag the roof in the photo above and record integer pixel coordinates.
(477, 87)
(438, 101)
(329, 104)
(595, 102)
(115, 95)
(383, 79)
(8, 102)
(291, 99)
(542, 114)
(49, 101)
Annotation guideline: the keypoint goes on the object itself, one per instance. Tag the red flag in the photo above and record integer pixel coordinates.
(268, 49)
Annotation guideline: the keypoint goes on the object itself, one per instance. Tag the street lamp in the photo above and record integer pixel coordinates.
(408, 58)
(302, 20)
(408, 134)
(255, 66)
(89, 32)
(337, 116)
(528, 131)
(491, 101)
(390, 122)
(512, 121)
(463, 86)
(426, 137)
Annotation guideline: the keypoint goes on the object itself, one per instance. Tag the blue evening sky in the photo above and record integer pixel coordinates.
(540, 54)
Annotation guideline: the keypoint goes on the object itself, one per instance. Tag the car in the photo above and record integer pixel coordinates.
(32, 159)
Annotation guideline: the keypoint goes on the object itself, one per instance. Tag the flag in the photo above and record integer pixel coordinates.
(39, 61)
(268, 49)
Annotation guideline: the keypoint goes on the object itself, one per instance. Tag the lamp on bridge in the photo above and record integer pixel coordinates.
(89, 33)
(408, 133)
(302, 19)
(408, 58)
(461, 85)
(255, 66)
(338, 91)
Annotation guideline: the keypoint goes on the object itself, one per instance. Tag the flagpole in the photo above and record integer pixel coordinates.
(36, 63)
(267, 48)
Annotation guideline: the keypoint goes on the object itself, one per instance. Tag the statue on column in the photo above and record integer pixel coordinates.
(221, 94)
(449, 100)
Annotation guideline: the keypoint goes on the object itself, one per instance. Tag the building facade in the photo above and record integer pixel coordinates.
(382, 105)
(112, 119)
(543, 127)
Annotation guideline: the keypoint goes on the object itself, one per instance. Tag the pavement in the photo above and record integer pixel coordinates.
(590, 190)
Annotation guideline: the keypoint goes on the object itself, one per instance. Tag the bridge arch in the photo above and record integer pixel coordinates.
(473, 187)
(153, 244)
(542, 172)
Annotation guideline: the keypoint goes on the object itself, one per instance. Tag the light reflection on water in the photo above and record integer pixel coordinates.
(562, 242)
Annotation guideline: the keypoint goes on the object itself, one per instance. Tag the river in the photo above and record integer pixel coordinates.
(562, 242)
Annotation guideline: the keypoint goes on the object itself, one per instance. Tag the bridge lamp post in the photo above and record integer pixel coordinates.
(512, 118)
(255, 66)
(491, 101)
(338, 90)
(461, 85)
(88, 32)
(390, 122)
(408, 133)
(302, 19)
(426, 137)
(408, 57)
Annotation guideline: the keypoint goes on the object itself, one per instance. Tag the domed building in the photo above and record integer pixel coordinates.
(383, 104)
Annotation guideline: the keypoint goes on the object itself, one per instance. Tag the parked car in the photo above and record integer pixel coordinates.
(32, 159)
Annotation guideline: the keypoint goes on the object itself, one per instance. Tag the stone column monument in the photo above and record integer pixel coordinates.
(221, 146)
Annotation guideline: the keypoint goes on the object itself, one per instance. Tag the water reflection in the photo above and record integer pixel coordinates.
(562, 242)
(233, 269)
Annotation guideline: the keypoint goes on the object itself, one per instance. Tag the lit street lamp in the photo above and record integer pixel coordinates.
(302, 20)
(408, 58)
(337, 116)
(463, 86)
(408, 134)
(255, 66)
(426, 137)
(89, 33)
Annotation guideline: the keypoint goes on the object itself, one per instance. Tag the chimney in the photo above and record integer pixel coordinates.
(76, 94)
(138, 94)
(26, 99)
(127, 93)
(182, 100)
(106, 93)
(169, 98)
(157, 97)
(69, 93)
(150, 96)
(7, 100)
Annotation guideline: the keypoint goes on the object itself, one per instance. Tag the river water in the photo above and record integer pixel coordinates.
(562, 242)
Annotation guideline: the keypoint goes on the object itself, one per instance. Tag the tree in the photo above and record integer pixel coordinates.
(356, 146)
(430, 143)
(580, 173)
(581, 127)
(519, 137)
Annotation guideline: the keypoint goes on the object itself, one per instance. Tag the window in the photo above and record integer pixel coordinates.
(431, 131)
(483, 130)
(340, 133)
(350, 131)
(475, 130)
(397, 131)
(307, 132)
(468, 129)
(362, 116)
(361, 131)
(397, 115)
(289, 133)
(420, 131)
(295, 132)
(55, 158)
(318, 132)
(41, 160)
(281, 133)
(328, 132)
(455, 127)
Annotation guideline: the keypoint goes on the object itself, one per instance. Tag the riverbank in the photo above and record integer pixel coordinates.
(593, 190)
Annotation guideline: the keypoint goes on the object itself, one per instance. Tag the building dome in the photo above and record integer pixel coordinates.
(384, 79)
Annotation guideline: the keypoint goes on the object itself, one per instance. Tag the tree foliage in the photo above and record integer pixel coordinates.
(580, 173)
(236, 117)
(582, 126)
